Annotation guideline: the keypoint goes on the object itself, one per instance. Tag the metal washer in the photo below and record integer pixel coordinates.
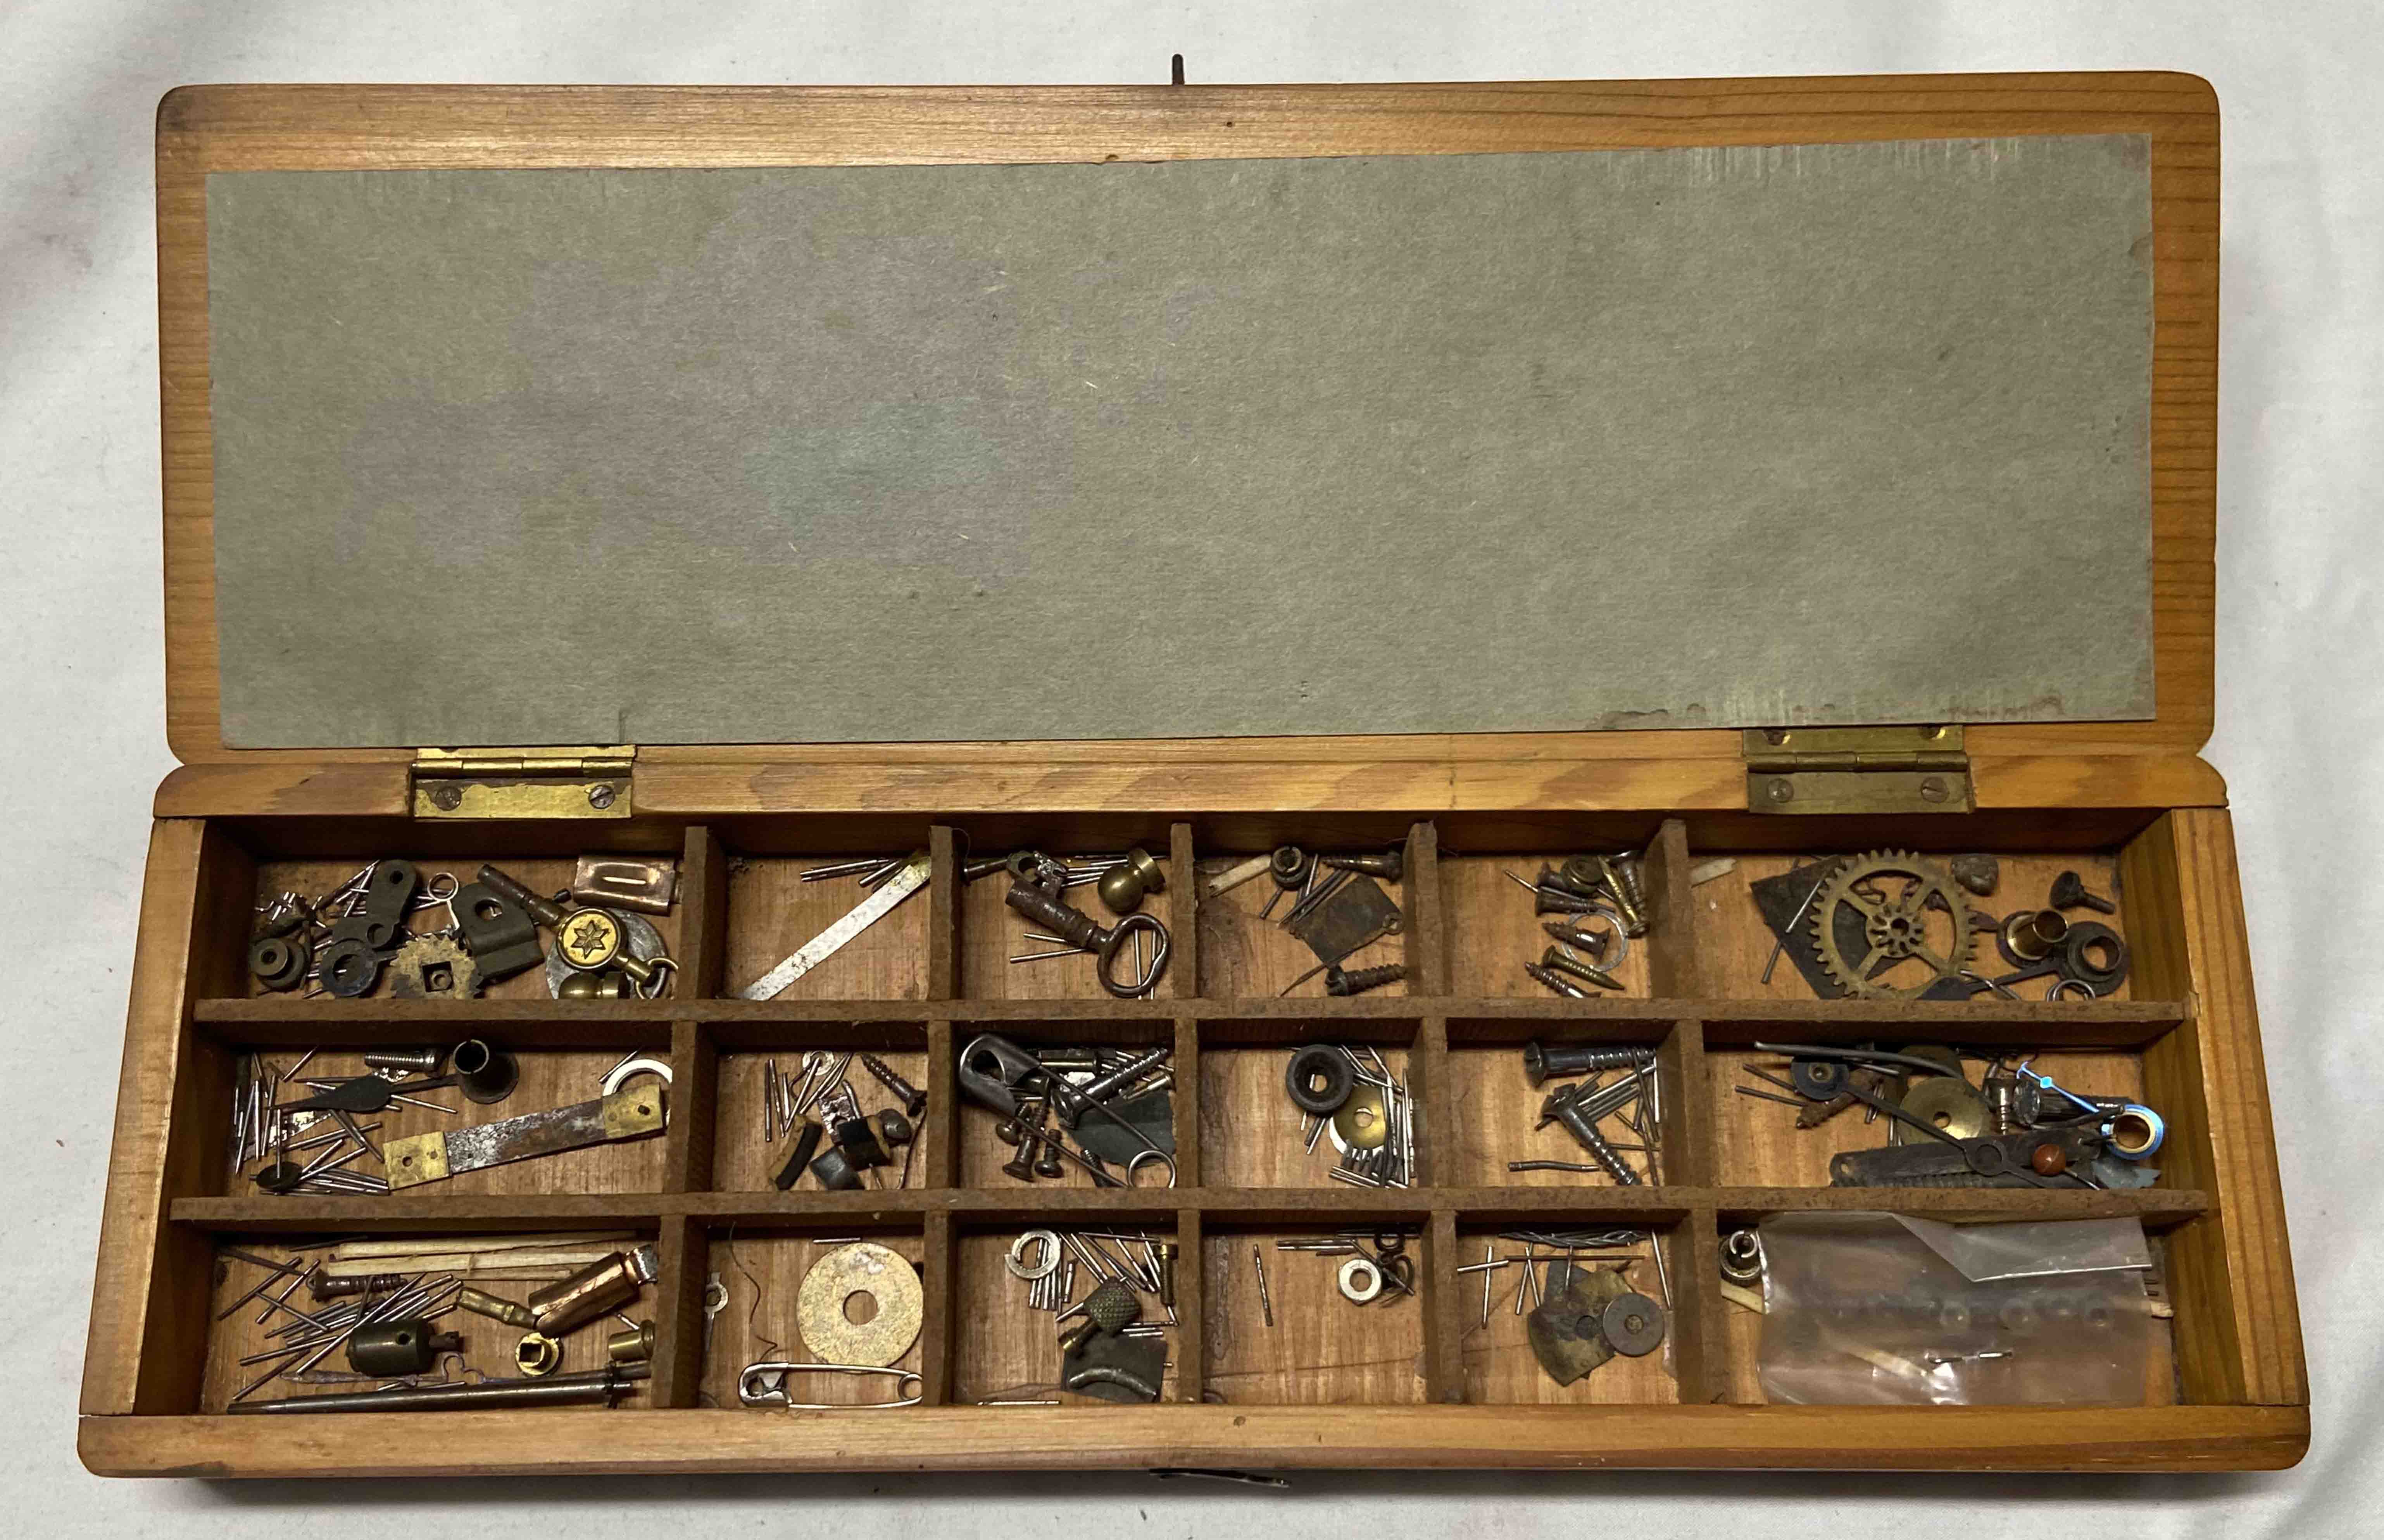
(863, 1267)
(1361, 1280)
(1048, 1251)
(1621, 1335)
(1351, 1131)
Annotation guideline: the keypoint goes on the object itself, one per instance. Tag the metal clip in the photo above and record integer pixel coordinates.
(752, 1391)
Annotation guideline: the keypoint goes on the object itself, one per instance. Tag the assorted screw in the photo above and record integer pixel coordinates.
(1604, 911)
(1634, 1100)
(1090, 1107)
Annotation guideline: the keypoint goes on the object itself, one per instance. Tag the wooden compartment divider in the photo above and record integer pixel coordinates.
(1683, 1213)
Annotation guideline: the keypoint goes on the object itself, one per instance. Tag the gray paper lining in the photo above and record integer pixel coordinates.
(1805, 434)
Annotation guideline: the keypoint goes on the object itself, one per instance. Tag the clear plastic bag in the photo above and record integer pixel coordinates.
(1873, 1309)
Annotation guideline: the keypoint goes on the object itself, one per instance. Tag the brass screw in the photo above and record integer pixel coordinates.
(1780, 790)
(1932, 790)
(449, 797)
(602, 795)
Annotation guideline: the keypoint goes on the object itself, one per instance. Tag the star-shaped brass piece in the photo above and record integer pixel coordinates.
(592, 937)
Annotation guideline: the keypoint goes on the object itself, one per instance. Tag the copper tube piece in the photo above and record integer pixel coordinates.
(594, 1290)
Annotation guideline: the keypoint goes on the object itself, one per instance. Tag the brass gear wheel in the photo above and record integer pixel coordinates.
(433, 967)
(1893, 890)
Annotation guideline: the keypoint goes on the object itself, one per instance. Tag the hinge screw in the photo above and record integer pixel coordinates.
(1932, 790)
(1780, 790)
(448, 798)
(602, 794)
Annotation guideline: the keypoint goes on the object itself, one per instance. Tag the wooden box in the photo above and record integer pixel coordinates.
(2129, 804)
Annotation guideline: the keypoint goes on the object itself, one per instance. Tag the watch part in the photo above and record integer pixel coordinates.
(1890, 926)
(433, 967)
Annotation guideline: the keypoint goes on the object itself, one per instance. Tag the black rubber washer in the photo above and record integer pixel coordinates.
(2084, 936)
(1319, 1060)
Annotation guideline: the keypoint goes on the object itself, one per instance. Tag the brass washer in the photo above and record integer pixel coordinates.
(1955, 1100)
(863, 1267)
(1364, 1121)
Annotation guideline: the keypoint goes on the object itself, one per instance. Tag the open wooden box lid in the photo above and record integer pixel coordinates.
(2012, 751)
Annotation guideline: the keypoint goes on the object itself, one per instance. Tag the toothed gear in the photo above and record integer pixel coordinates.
(433, 967)
(1895, 923)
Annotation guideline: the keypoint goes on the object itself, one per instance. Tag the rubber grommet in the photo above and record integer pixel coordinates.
(1314, 1063)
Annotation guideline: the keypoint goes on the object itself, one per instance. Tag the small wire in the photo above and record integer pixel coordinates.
(752, 1330)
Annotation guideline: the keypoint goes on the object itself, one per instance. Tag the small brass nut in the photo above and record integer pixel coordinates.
(537, 1355)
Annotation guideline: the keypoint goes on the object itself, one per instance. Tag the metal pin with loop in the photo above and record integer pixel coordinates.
(764, 1385)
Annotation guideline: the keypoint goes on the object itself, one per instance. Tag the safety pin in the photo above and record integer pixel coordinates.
(750, 1391)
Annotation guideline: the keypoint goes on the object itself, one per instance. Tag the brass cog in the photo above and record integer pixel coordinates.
(433, 967)
(1895, 921)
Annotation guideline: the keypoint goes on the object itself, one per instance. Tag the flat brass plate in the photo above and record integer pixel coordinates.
(863, 1267)
(412, 1161)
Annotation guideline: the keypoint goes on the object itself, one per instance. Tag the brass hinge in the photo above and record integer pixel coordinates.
(523, 783)
(1910, 769)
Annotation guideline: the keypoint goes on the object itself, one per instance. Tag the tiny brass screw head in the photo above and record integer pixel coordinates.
(1932, 790)
(1780, 790)
(447, 797)
(602, 794)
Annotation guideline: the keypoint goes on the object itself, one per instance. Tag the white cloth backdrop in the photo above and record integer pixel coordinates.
(2302, 465)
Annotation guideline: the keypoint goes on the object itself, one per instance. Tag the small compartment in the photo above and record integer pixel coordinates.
(999, 959)
(1321, 1349)
(1007, 1326)
(1247, 950)
(1758, 1142)
(1501, 1118)
(626, 1155)
(1498, 914)
(1253, 1136)
(428, 957)
(1085, 1052)
(1742, 1319)
(867, 1307)
(774, 912)
(1502, 1266)
(254, 1334)
(777, 1080)
(1736, 947)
